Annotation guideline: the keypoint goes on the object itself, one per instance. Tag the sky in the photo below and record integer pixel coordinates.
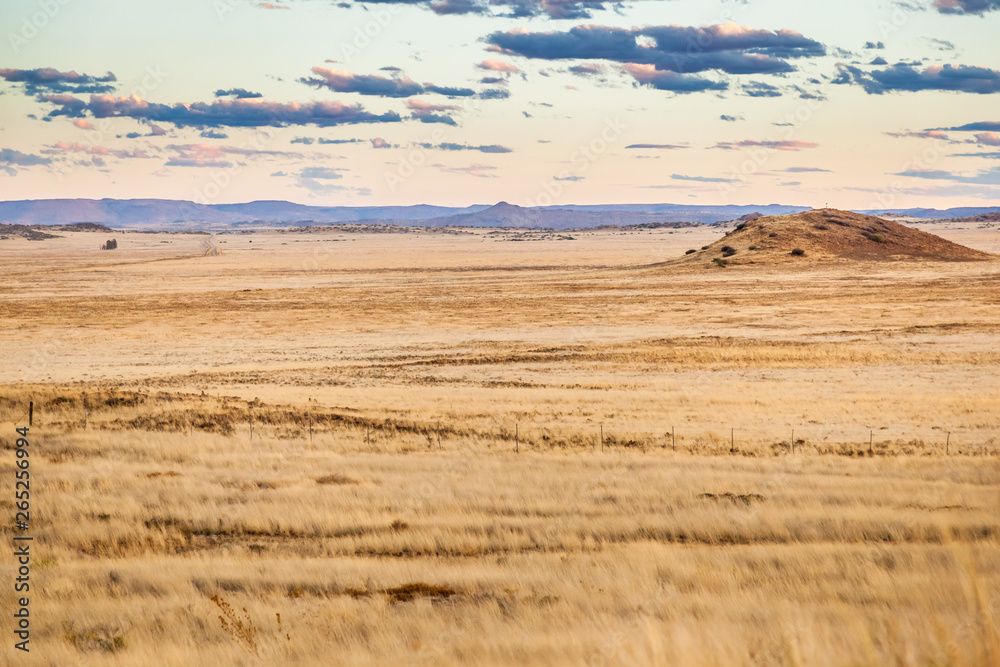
(853, 104)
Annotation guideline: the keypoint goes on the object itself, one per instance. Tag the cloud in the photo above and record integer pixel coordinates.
(587, 69)
(303, 140)
(494, 94)
(988, 177)
(342, 81)
(784, 145)
(341, 141)
(239, 93)
(499, 66)
(905, 77)
(925, 134)
(317, 180)
(977, 7)
(421, 105)
(11, 157)
(62, 148)
(214, 155)
(490, 148)
(648, 75)
(701, 179)
(657, 146)
(478, 170)
(52, 80)
(324, 173)
(729, 47)
(379, 142)
(83, 124)
(214, 134)
(554, 9)
(220, 113)
(730, 119)
(988, 138)
(271, 5)
(758, 89)
(805, 170)
(985, 126)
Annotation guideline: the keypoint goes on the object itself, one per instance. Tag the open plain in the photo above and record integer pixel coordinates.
(446, 446)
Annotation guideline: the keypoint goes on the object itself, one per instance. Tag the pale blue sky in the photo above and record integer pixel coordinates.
(830, 146)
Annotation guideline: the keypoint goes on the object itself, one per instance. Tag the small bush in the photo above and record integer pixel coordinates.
(821, 227)
(692, 250)
(728, 251)
(753, 247)
(773, 235)
(799, 252)
(877, 238)
(720, 262)
(336, 478)
(704, 247)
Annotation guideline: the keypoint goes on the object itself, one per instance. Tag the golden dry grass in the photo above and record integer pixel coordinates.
(379, 514)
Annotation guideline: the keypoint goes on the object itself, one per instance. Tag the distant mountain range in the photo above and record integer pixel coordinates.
(174, 215)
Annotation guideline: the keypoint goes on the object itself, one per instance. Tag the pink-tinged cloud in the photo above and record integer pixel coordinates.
(648, 75)
(83, 125)
(379, 142)
(783, 145)
(271, 5)
(478, 170)
(64, 148)
(926, 134)
(499, 66)
(988, 138)
(420, 105)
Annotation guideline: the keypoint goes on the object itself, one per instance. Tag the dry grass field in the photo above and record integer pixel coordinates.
(473, 447)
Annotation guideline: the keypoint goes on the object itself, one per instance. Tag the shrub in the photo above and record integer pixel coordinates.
(720, 262)
(821, 227)
(773, 235)
(704, 247)
(692, 250)
(728, 251)
(753, 247)
(877, 238)
(799, 252)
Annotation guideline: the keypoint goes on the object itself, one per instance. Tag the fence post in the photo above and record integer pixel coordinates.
(793, 442)
(31, 412)
(871, 437)
(517, 439)
(673, 441)
(602, 437)
(947, 445)
(732, 440)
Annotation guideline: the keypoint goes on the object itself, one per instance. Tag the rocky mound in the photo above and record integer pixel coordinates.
(825, 235)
